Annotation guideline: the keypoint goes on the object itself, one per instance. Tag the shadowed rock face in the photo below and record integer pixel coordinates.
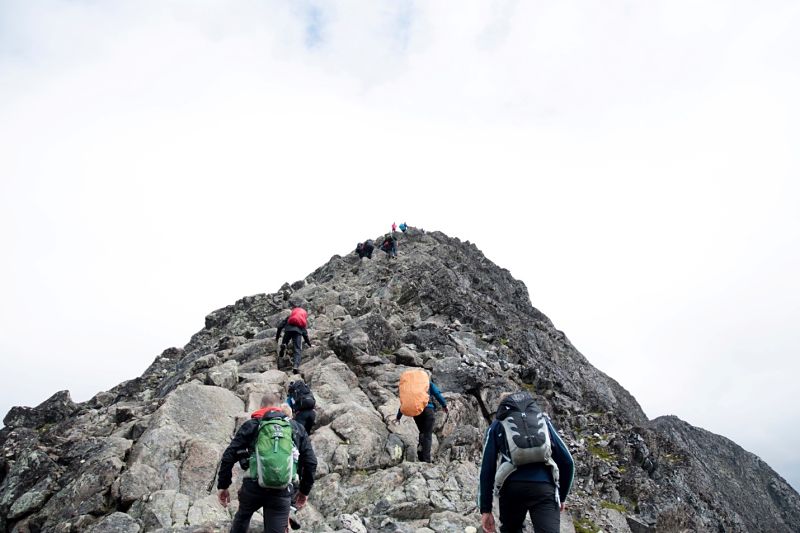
(143, 456)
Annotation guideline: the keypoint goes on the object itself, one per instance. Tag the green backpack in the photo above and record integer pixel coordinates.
(274, 462)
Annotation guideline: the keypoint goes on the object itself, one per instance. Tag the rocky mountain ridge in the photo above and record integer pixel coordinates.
(144, 455)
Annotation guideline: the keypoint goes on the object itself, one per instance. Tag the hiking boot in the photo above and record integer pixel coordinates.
(282, 350)
(295, 370)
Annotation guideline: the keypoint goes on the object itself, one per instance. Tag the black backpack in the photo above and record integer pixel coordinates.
(527, 436)
(302, 398)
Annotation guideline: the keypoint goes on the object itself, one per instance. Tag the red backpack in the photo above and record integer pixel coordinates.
(299, 318)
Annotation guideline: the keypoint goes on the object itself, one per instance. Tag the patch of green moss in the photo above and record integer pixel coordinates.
(671, 458)
(584, 525)
(530, 387)
(597, 450)
(504, 341)
(617, 507)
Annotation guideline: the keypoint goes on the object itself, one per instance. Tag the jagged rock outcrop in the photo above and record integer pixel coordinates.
(144, 455)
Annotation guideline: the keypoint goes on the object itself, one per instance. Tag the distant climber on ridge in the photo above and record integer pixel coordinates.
(302, 401)
(389, 245)
(268, 442)
(295, 331)
(535, 472)
(394, 227)
(364, 249)
(403, 227)
(417, 392)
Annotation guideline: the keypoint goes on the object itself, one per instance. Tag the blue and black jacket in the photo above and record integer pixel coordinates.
(433, 392)
(495, 451)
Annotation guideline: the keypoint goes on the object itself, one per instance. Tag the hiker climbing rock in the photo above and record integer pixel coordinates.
(302, 402)
(294, 330)
(394, 227)
(417, 393)
(535, 471)
(279, 456)
(389, 245)
(364, 249)
(403, 227)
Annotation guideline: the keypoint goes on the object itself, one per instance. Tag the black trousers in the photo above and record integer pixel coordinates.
(306, 419)
(276, 504)
(518, 498)
(425, 422)
(297, 339)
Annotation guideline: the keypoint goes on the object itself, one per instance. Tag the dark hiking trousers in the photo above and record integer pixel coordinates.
(425, 422)
(518, 498)
(297, 338)
(306, 419)
(276, 504)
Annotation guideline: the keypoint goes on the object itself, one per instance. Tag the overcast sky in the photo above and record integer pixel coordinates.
(635, 163)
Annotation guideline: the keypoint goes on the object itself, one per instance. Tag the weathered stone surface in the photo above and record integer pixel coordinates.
(152, 445)
(162, 509)
(450, 521)
(55, 409)
(225, 375)
(187, 435)
(98, 462)
(137, 481)
(351, 523)
(116, 523)
(206, 510)
(30, 481)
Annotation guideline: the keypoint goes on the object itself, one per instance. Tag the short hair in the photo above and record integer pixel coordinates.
(271, 399)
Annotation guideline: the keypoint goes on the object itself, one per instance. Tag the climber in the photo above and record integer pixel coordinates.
(364, 249)
(534, 478)
(417, 392)
(295, 325)
(302, 402)
(394, 227)
(389, 245)
(403, 227)
(265, 483)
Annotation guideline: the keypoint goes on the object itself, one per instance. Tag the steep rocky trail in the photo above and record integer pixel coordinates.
(143, 456)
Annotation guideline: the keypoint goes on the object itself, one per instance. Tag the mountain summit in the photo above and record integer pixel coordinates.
(144, 455)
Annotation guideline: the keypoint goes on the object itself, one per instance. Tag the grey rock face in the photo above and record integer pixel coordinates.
(144, 455)
(116, 523)
(56, 408)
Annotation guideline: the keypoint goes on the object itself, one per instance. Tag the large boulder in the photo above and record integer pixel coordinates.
(116, 523)
(187, 435)
(29, 483)
(88, 492)
(55, 409)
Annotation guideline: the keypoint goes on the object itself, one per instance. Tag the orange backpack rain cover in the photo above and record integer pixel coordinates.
(414, 395)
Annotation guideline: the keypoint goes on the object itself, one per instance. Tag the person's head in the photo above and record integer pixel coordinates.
(292, 386)
(271, 399)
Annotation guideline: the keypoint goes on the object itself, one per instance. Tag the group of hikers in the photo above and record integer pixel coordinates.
(388, 243)
(525, 463)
